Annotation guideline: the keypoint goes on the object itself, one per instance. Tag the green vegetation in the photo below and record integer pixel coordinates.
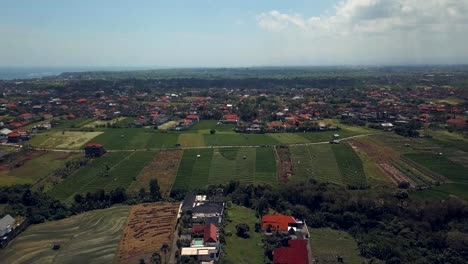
(35, 169)
(115, 169)
(91, 237)
(220, 165)
(315, 162)
(204, 127)
(63, 139)
(237, 249)
(440, 164)
(220, 139)
(193, 169)
(265, 166)
(442, 192)
(136, 138)
(350, 165)
(327, 243)
(289, 138)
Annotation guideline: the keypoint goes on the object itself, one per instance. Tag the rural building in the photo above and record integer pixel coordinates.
(209, 213)
(94, 150)
(296, 253)
(14, 137)
(279, 222)
(209, 233)
(7, 224)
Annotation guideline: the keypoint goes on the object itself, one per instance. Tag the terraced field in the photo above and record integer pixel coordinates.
(350, 165)
(115, 169)
(194, 170)
(239, 140)
(91, 237)
(315, 162)
(289, 138)
(191, 140)
(441, 165)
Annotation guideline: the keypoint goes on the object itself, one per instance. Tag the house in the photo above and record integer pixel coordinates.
(209, 233)
(278, 222)
(387, 126)
(14, 137)
(94, 150)
(457, 122)
(4, 133)
(209, 213)
(6, 224)
(230, 119)
(204, 245)
(296, 253)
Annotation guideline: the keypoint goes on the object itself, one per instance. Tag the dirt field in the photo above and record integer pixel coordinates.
(284, 164)
(148, 227)
(98, 123)
(63, 140)
(163, 168)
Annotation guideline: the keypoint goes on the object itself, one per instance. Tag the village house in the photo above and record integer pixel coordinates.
(278, 222)
(94, 150)
(205, 245)
(7, 223)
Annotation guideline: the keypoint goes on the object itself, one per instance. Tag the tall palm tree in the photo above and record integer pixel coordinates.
(165, 249)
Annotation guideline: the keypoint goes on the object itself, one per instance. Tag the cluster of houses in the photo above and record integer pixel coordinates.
(297, 251)
(203, 235)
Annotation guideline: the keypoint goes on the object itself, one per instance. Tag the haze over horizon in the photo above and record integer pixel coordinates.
(208, 33)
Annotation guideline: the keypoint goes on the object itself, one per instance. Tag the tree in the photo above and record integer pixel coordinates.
(212, 131)
(156, 258)
(242, 230)
(165, 249)
(155, 191)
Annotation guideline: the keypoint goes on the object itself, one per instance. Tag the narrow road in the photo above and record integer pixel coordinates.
(203, 147)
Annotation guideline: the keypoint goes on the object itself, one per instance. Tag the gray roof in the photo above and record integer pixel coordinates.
(6, 221)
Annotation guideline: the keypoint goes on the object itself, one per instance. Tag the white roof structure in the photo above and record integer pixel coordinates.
(5, 131)
(197, 251)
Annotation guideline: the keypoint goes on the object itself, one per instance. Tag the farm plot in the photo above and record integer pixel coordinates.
(442, 191)
(91, 237)
(115, 169)
(194, 169)
(265, 166)
(63, 139)
(167, 125)
(350, 165)
(32, 167)
(99, 123)
(191, 140)
(204, 127)
(315, 162)
(441, 165)
(327, 244)
(149, 226)
(240, 250)
(289, 138)
(284, 166)
(163, 168)
(136, 138)
(239, 140)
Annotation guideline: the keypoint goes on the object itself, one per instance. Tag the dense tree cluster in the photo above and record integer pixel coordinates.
(387, 225)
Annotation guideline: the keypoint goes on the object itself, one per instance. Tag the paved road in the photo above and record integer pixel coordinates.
(202, 147)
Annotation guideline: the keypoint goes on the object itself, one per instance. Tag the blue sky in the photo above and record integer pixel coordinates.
(186, 33)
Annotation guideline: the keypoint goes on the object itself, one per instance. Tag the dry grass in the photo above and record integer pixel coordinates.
(149, 226)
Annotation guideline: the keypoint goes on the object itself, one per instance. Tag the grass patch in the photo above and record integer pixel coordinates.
(289, 138)
(350, 165)
(98, 123)
(191, 140)
(204, 127)
(219, 139)
(35, 169)
(115, 169)
(193, 171)
(265, 166)
(167, 125)
(136, 138)
(240, 250)
(63, 139)
(440, 164)
(327, 243)
(91, 237)
(315, 162)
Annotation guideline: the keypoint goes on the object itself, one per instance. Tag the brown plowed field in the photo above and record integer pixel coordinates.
(148, 227)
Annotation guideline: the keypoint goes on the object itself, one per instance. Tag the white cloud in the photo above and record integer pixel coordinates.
(375, 16)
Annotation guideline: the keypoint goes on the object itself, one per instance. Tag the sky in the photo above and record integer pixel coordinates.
(226, 33)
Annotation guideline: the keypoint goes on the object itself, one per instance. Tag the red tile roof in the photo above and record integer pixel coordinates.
(93, 145)
(277, 222)
(232, 117)
(209, 232)
(296, 253)
(456, 121)
(192, 117)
